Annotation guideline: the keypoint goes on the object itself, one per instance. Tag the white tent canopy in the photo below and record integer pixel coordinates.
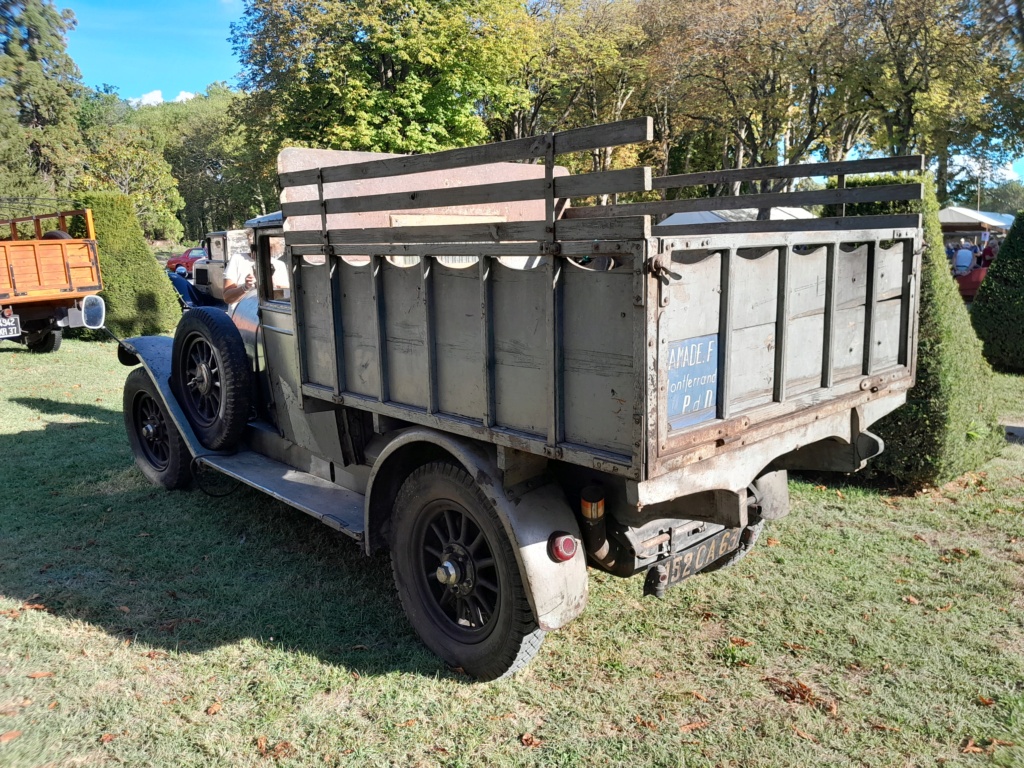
(967, 219)
(740, 214)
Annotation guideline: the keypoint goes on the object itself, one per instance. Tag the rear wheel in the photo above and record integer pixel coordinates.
(47, 341)
(457, 575)
(159, 450)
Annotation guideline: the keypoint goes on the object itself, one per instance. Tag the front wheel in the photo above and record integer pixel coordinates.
(457, 575)
(159, 450)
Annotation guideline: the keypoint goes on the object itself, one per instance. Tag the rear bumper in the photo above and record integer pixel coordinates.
(731, 462)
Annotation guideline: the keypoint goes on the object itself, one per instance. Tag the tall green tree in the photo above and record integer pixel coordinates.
(38, 85)
(383, 75)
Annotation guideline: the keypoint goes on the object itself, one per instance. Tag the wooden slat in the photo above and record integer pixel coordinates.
(620, 228)
(911, 163)
(884, 193)
(604, 183)
(577, 140)
(831, 224)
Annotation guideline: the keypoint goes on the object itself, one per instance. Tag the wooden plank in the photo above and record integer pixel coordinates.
(884, 193)
(829, 224)
(577, 140)
(604, 183)
(477, 194)
(456, 233)
(909, 163)
(621, 228)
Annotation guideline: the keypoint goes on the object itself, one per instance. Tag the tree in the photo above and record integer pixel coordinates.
(998, 309)
(38, 86)
(122, 158)
(1005, 197)
(382, 75)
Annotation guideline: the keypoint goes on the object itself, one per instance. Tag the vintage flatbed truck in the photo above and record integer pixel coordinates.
(45, 280)
(500, 388)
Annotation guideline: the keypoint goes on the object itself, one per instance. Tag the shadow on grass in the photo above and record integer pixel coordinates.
(83, 533)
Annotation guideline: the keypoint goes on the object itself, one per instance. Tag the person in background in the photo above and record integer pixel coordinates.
(187, 292)
(964, 259)
(987, 254)
(239, 278)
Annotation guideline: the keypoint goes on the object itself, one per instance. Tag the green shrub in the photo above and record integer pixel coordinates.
(998, 309)
(140, 299)
(949, 425)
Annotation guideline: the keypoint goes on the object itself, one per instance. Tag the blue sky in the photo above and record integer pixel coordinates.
(160, 50)
(142, 47)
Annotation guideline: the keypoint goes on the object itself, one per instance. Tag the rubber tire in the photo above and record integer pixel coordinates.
(48, 342)
(223, 430)
(177, 471)
(515, 637)
(56, 234)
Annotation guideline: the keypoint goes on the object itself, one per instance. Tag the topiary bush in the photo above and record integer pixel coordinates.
(949, 424)
(998, 309)
(140, 299)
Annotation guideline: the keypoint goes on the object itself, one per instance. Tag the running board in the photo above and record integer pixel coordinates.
(337, 507)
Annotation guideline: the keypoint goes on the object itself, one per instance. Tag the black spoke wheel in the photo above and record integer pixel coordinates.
(457, 574)
(159, 450)
(210, 376)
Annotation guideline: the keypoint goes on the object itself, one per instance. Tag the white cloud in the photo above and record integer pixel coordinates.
(157, 97)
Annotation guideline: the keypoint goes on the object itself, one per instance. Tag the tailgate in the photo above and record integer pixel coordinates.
(773, 330)
(33, 270)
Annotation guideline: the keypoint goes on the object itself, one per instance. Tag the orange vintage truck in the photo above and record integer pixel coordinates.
(45, 281)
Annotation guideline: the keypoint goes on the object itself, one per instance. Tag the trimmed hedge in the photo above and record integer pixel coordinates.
(140, 299)
(949, 425)
(998, 309)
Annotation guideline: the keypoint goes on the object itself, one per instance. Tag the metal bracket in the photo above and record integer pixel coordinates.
(659, 265)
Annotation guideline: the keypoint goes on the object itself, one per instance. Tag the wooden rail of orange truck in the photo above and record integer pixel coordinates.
(44, 279)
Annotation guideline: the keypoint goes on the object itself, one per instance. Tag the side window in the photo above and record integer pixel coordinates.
(273, 269)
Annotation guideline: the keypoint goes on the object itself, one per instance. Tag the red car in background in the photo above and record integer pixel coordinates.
(186, 260)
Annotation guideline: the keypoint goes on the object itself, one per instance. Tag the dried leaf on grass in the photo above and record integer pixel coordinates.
(529, 740)
(698, 696)
(124, 609)
(694, 726)
(9, 736)
(33, 607)
(407, 723)
(650, 724)
(800, 693)
(771, 542)
(106, 738)
(884, 727)
(796, 647)
(214, 708)
(279, 751)
(911, 599)
(12, 613)
(986, 701)
(155, 655)
(802, 734)
(740, 642)
(38, 675)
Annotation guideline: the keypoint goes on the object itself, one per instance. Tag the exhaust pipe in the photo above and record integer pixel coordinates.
(605, 552)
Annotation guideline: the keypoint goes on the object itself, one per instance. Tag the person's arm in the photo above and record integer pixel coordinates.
(234, 293)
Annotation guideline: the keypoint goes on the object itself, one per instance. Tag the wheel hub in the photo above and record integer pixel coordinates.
(149, 432)
(202, 382)
(456, 570)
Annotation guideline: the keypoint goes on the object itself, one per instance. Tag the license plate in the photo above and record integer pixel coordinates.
(10, 327)
(700, 556)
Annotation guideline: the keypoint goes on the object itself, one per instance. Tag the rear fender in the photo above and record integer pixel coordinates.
(557, 591)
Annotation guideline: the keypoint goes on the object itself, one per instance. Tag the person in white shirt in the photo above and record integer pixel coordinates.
(239, 278)
(964, 260)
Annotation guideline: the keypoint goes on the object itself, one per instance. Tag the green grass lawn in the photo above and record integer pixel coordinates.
(140, 627)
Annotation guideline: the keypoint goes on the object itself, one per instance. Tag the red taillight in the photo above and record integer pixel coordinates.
(562, 547)
(8, 312)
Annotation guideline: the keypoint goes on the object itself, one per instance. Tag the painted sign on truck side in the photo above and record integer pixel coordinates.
(692, 368)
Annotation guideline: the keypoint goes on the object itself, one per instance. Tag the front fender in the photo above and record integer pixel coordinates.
(557, 591)
(154, 352)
